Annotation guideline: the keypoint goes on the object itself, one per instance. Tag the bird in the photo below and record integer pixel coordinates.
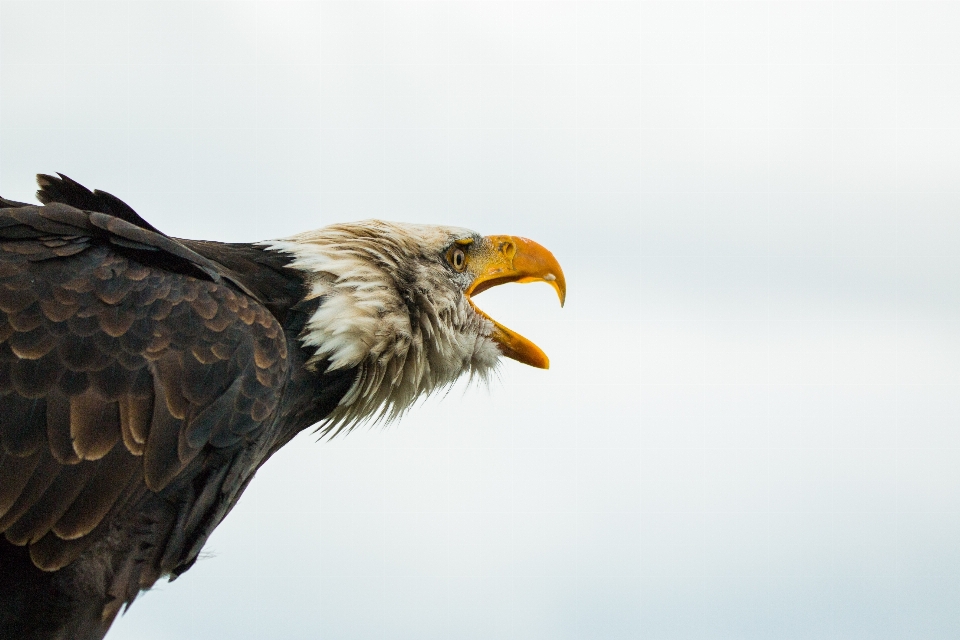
(144, 378)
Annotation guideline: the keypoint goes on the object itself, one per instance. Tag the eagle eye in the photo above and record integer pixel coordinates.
(457, 258)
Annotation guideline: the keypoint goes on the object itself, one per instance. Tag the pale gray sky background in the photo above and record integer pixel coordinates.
(752, 424)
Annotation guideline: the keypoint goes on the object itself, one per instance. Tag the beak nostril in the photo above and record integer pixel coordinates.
(508, 249)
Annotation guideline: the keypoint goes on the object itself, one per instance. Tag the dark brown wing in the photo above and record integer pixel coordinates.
(127, 383)
(70, 192)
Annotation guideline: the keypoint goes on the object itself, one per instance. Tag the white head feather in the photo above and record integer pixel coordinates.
(392, 308)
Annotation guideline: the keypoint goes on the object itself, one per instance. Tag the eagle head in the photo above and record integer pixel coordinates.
(395, 304)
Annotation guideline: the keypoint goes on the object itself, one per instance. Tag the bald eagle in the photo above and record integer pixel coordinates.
(144, 379)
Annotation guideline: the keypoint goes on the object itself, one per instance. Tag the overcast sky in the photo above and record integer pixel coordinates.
(751, 426)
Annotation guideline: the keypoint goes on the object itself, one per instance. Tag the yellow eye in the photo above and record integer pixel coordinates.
(457, 258)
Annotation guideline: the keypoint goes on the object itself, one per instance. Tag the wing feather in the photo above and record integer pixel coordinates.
(51, 504)
(40, 479)
(34, 378)
(15, 473)
(126, 386)
(58, 428)
(135, 415)
(94, 425)
(51, 552)
(98, 496)
(22, 423)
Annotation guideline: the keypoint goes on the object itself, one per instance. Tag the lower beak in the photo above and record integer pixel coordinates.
(504, 259)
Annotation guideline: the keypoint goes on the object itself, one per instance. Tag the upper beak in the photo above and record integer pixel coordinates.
(513, 259)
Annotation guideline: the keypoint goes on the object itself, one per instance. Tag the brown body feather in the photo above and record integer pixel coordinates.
(143, 380)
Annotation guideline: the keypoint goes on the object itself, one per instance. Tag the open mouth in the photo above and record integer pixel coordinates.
(504, 259)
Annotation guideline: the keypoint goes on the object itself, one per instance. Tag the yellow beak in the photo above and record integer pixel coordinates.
(504, 259)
